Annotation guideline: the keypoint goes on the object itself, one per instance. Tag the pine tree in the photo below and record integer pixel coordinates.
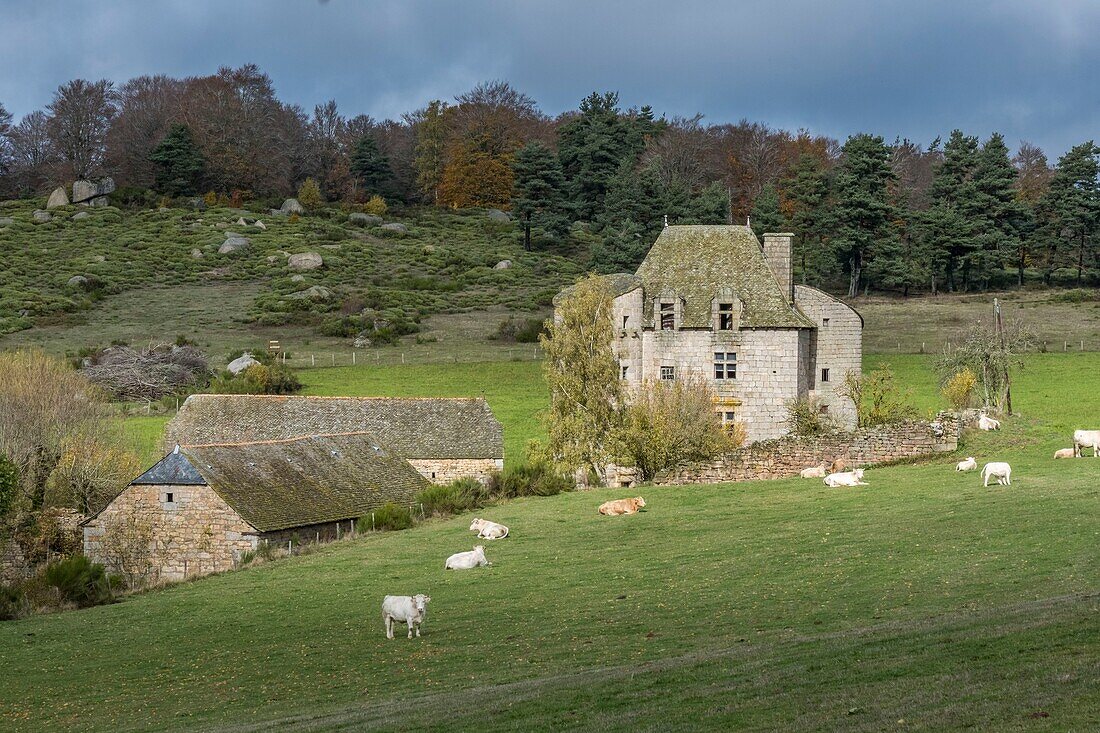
(863, 208)
(309, 195)
(538, 194)
(766, 215)
(179, 163)
(369, 167)
(954, 195)
(999, 215)
(709, 206)
(1071, 210)
(812, 219)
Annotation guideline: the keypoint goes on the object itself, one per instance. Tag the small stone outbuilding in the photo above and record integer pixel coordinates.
(199, 508)
(443, 438)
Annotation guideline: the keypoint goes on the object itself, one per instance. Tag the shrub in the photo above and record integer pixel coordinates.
(79, 581)
(9, 483)
(258, 379)
(264, 552)
(526, 331)
(309, 195)
(809, 416)
(530, 479)
(13, 603)
(878, 397)
(376, 206)
(959, 389)
(210, 199)
(389, 516)
(455, 497)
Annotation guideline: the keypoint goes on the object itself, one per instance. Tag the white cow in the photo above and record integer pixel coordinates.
(410, 609)
(848, 478)
(998, 470)
(467, 560)
(1086, 439)
(987, 423)
(968, 465)
(817, 471)
(487, 530)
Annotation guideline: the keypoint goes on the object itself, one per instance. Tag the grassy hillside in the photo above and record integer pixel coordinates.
(920, 602)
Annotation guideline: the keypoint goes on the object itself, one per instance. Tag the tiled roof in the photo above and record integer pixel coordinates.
(280, 484)
(174, 468)
(413, 428)
(620, 283)
(696, 262)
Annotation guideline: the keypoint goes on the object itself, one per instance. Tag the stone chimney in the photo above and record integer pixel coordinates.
(777, 252)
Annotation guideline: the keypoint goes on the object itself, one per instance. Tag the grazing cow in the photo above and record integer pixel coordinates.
(622, 506)
(487, 530)
(848, 478)
(1065, 453)
(410, 609)
(817, 471)
(839, 465)
(968, 465)
(467, 560)
(998, 470)
(1086, 439)
(987, 423)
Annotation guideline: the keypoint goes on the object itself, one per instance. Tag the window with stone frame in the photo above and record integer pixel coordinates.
(668, 316)
(623, 371)
(725, 316)
(668, 373)
(824, 375)
(725, 365)
(729, 418)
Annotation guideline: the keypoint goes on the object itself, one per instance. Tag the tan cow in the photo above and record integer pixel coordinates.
(839, 466)
(622, 506)
(1065, 453)
(818, 471)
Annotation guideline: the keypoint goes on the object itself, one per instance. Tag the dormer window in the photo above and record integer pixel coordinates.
(668, 316)
(725, 316)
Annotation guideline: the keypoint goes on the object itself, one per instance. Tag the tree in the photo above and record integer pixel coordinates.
(32, 151)
(989, 355)
(473, 177)
(309, 195)
(863, 207)
(80, 116)
(89, 474)
(431, 144)
(179, 163)
(1032, 181)
(878, 398)
(583, 376)
(538, 197)
(329, 163)
(5, 141)
(148, 108)
(1000, 216)
(812, 218)
(954, 209)
(668, 424)
(1071, 207)
(369, 168)
(766, 216)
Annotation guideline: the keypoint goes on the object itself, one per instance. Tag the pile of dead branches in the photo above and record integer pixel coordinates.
(148, 374)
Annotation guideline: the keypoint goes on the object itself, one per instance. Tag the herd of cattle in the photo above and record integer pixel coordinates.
(412, 610)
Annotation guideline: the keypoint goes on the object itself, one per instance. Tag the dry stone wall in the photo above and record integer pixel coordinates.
(787, 456)
(444, 471)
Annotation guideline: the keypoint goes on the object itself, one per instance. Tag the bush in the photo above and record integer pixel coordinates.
(809, 416)
(376, 206)
(454, 498)
(959, 389)
(264, 552)
(309, 195)
(79, 581)
(13, 603)
(526, 331)
(530, 479)
(878, 397)
(258, 379)
(389, 516)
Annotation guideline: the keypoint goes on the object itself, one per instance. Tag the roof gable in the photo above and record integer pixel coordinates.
(174, 468)
(696, 262)
(414, 428)
(279, 484)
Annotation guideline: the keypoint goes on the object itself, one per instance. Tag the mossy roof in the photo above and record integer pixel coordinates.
(619, 283)
(281, 484)
(695, 262)
(429, 428)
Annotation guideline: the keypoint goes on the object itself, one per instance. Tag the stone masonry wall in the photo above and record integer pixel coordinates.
(837, 345)
(787, 456)
(444, 471)
(195, 534)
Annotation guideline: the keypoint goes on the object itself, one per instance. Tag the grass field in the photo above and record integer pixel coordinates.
(920, 602)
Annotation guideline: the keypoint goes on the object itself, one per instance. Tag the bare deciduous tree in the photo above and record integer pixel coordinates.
(32, 152)
(148, 106)
(80, 116)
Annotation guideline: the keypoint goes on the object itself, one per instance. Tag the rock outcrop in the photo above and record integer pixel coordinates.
(58, 198)
(305, 261)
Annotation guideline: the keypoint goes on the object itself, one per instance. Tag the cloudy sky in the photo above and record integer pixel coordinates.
(1028, 68)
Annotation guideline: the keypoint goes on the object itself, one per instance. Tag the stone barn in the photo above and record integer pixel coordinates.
(201, 506)
(715, 303)
(442, 438)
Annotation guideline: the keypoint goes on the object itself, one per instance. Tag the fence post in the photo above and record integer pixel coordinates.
(402, 357)
(1065, 346)
(334, 358)
(312, 360)
(353, 358)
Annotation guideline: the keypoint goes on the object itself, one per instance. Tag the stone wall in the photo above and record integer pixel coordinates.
(13, 565)
(787, 456)
(446, 470)
(836, 345)
(195, 534)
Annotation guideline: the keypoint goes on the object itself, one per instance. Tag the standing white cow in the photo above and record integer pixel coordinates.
(987, 423)
(467, 560)
(848, 478)
(968, 465)
(1086, 439)
(412, 610)
(487, 530)
(998, 470)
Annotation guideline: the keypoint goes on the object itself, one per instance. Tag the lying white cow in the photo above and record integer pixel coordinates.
(466, 560)
(487, 530)
(968, 465)
(1086, 439)
(987, 423)
(1065, 453)
(998, 470)
(411, 610)
(817, 471)
(848, 478)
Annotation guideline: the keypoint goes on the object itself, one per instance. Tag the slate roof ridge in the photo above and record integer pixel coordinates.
(275, 441)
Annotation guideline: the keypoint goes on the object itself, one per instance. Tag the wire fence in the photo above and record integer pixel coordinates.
(304, 358)
(940, 347)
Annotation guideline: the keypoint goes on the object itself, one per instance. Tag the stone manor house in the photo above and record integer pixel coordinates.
(716, 304)
(245, 469)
